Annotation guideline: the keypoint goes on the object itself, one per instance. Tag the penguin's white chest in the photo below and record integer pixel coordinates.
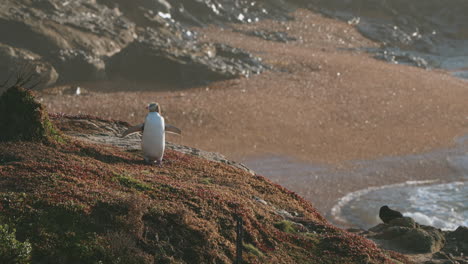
(153, 141)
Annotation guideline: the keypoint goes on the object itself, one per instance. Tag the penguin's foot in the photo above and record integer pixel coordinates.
(153, 162)
(149, 162)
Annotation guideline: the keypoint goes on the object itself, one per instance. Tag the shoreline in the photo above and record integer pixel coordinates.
(325, 185)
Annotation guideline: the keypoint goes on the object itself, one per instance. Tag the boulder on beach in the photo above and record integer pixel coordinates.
(406, 235)
(424, 244)
(457, 241)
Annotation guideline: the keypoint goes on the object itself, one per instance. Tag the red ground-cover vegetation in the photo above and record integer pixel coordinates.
(64, 200)
(78, 202)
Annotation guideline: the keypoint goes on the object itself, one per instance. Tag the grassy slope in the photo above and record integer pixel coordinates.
(84, 203)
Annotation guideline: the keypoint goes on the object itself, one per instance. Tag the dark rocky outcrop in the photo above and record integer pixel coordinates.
(168, 57)
(405, 234)
(222, 11)
(425, 244)
(91, 40)
(427, 34)
(13, 59)
(457, 242)
(203, 12)
(73, 36)
(79, 39)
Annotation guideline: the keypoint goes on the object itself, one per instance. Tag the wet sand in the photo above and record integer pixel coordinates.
(325, 104)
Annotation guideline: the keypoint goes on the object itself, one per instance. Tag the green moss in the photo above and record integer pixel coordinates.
(22, 118)
(286, 226)
(52, 133)
(253, 250)
(133, 183)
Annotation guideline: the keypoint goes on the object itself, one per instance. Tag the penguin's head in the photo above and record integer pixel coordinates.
(154, 107)
(384, 208)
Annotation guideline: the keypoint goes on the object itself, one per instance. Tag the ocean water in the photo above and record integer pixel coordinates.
(443, 206)
(440, 202)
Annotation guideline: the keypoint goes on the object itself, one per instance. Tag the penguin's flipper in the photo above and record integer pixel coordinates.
(133, 129)
(172, 129)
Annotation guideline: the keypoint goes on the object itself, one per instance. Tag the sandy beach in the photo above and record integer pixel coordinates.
(324, 105)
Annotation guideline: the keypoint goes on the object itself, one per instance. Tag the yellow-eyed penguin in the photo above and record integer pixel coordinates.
(154, 128)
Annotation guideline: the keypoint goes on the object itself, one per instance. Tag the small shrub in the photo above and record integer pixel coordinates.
(23, 118)
(12, 250)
